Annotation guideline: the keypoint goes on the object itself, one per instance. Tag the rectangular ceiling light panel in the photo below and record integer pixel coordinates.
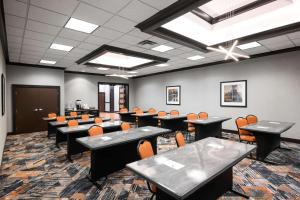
(61, 47)
(80, 25)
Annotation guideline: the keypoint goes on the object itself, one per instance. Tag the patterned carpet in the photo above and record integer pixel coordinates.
(33, 168)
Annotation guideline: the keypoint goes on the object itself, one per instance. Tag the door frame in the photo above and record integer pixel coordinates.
(16, 86)
(113, 84)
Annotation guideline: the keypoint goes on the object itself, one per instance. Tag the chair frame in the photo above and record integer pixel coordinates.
(250, 116)
(94, 126)
(176, 139)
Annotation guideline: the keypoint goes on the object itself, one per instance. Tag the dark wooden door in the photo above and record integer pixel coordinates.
(101, 102)
(31, 104)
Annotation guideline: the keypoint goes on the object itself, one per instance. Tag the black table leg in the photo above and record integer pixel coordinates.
(147, 121)
(208, 130)
(266, 143)
(174, 125)
(60, 137)
(73, 147)
(51, 130)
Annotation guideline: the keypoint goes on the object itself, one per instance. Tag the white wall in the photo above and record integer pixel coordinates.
(32, 76)
(273, 90)
(3, 119)
(85, 87)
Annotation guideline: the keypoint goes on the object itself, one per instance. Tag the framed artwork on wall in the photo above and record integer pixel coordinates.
(173, 95)
(3, 94)
(233, 93)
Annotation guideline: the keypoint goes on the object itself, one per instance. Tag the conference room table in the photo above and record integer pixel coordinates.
(210, 127)
(70, 134)
(127, 116)
(267, 135)
(175, 123)
(200, 170)
(112, 151)
(51, 119)
(146, 119)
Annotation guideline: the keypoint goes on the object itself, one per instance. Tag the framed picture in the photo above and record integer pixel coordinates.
(3, 94)
(233, 93)
(173, 95)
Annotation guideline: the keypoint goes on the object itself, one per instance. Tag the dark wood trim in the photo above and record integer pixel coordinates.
(15, 86)
(33, 65)
(107, 48)
(84, 73)
(179, 95)
(222, 62)
(297, 141)
(245, 106)
(3, 34)
(3, 94)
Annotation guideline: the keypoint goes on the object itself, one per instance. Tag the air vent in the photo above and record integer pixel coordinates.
(146, 42)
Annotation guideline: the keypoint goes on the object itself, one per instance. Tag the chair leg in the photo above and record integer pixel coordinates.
(153, 194)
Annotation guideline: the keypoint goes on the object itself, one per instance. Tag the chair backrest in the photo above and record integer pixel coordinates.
(151, 110)
(98, 120)
(139, 112)
(191, 116)
(203, 115)
(174, 113)
(95, 130)
(85, 117)
(179, 139)
(145, 149)
(123, 110)
(51, 115)
(73, 114)
(61, 118)
(161, 113)
(72, 123)
(251, 119)
(240, 122)
(125, 126)
(135, 109)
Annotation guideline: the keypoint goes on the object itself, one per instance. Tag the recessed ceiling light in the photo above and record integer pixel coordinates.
(162, 65)
(248, 45)
(102, 68)
(119, 60)
(49, 62)
(197, 57)
(132, 72)
(80, 25)
(61, 47)
(162, 48)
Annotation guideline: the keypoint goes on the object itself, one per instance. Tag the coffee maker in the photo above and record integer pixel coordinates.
(78, 104)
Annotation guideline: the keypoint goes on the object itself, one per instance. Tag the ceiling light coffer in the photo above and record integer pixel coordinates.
(147, 42)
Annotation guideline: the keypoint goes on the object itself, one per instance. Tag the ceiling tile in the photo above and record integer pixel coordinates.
(14, 21)
(15, 8)
(74, 35)
(65, 7)
(135, 48)
(295, 35)
(175, 52)
(137, 33)
(256, 50)
(159, 4)
(274, 40)
(27, 47)
(42, 28)
(14, 39)
(38, 36)
(88, 46)
(281, 45)
(14, 31)
(112, 5)
(129, 39)
(296, 42)
(120, 24)
(119, 44)
(107, 33)
(33, 53)
(137, 11)
(158, 40)
(64, 41)
(91, 14)
(46, 16)
(96, 40)
(80, 52)
(37, 43)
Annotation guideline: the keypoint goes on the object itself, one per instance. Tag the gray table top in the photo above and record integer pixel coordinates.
(85, 127)
(271, 127)
(181, 171)
(169, 117)
(67, 117)
(80, 121)
(130, 112)
(209, 120)
(120, 137)
(145, 115)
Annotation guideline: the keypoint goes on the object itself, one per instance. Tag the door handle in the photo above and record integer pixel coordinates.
(35, 110)
(40, 109)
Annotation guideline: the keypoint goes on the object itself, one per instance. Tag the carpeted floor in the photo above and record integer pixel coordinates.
(34, 168)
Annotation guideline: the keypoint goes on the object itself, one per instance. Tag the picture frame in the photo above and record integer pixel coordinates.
(2, 94)
(173, 95)
(233, 93)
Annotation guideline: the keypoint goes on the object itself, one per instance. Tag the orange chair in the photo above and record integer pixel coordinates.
(125, 126)
(203, 115)
(98, 120)
(95, 130)
(123, 110)
(135, 109)
(160, 114)
(243, 134)
(85, 117)
(179, 139)
(73, 114)
(191, 116)
(251, 119)
(51, 115)
(72, 123)
(145, 150)
(174, 113)
(60, 118)
(151, 111)
(138, 112)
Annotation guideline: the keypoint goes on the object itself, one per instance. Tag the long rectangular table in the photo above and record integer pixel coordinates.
(267, 135)
(175, 123)
(70, 134)
(112, 151)
(200, 170)
(210, 127)
(51, 119)
(146, 119)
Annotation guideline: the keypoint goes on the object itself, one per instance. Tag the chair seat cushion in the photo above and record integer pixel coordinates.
(248, 138)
